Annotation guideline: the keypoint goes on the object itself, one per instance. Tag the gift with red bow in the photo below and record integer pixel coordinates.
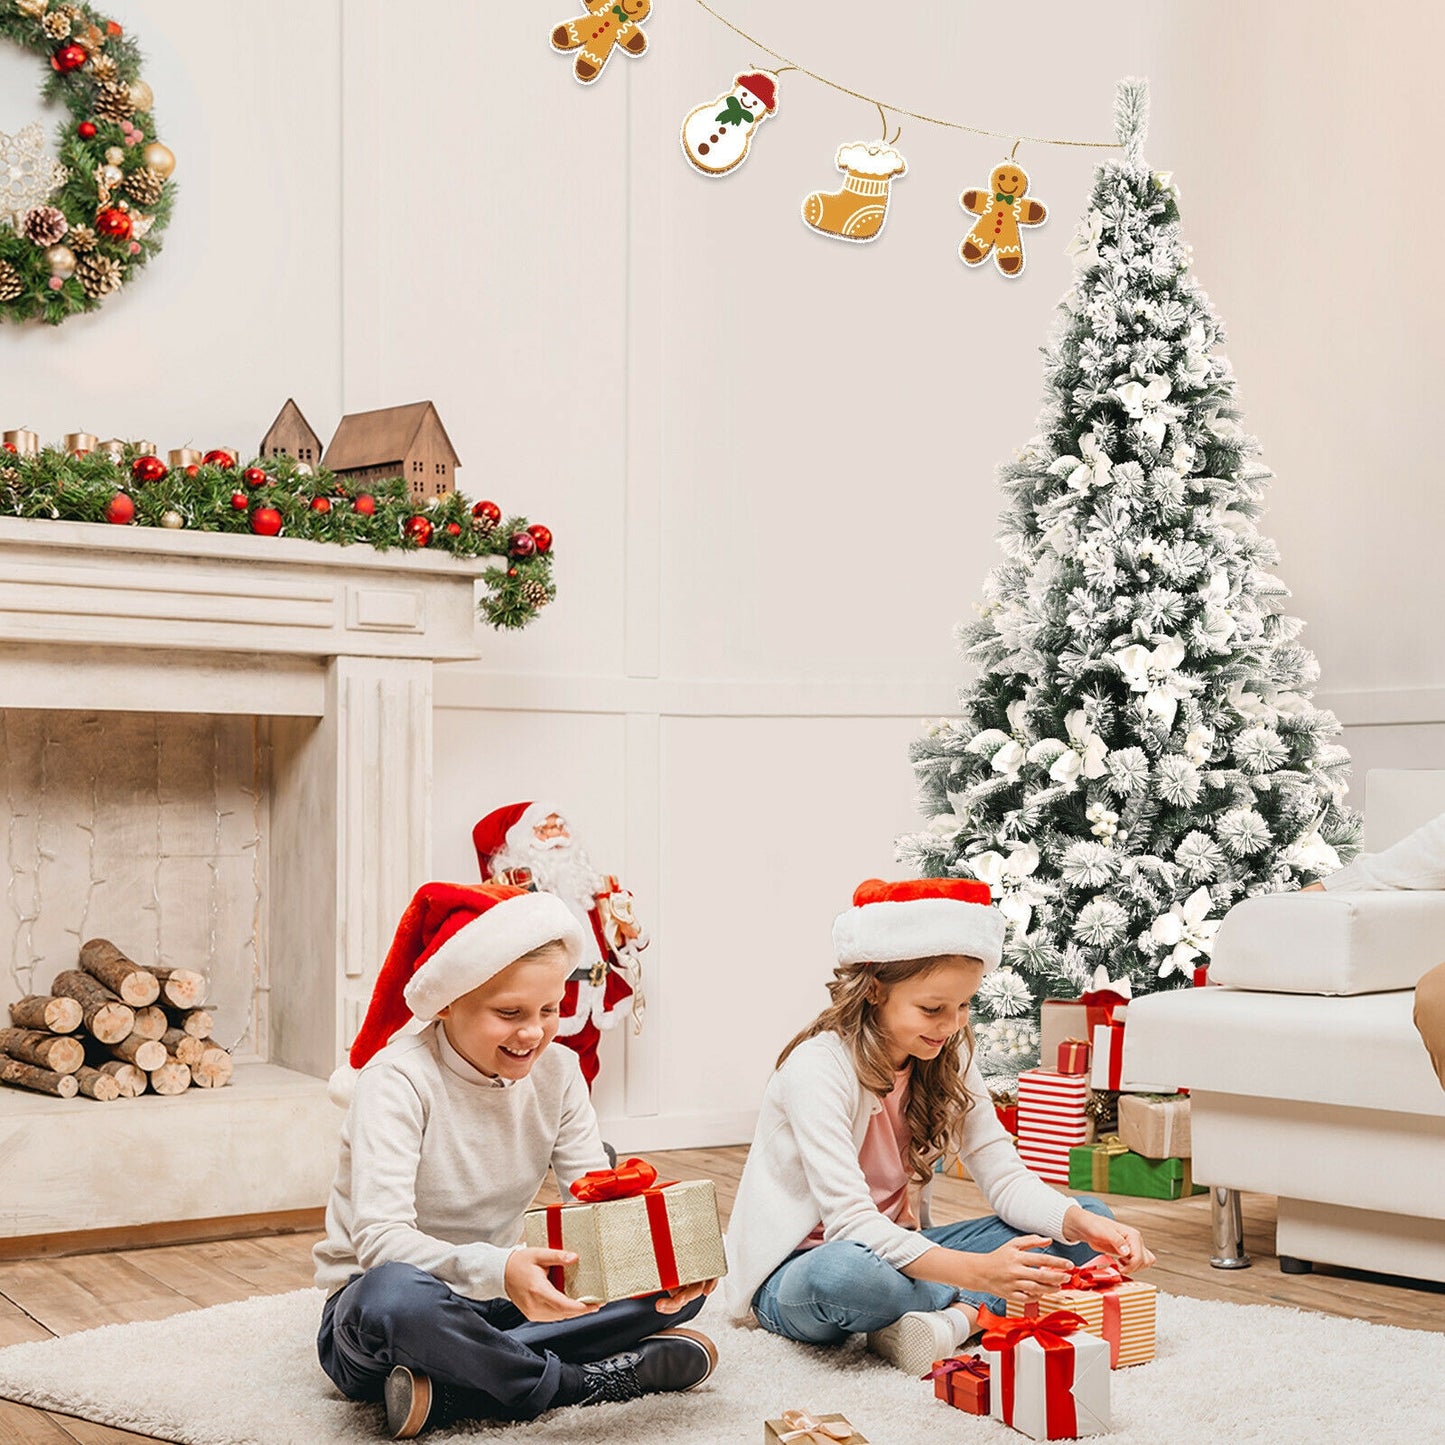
(962, 1381)
(1052, 1378)
(798, 1427)
(1119, 1310)
(631, 1234)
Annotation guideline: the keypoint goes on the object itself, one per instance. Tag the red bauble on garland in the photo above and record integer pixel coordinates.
(265, 521)
(365, 504)
(321, 504)
(488, 514)
(69, 57)
(541, 536)
(523, 544)
(454, 529)
(419, 530)
(219, 458)
(120, 510)
(148, 469)
(254, 477)
(113, 223)
(240, 501)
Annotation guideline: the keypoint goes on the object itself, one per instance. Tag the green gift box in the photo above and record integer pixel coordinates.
(1109, 1168)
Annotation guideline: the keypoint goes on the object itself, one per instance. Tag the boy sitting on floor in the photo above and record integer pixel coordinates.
(431, 1305)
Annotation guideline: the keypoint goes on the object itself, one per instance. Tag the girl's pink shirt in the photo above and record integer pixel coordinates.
(883, 1157)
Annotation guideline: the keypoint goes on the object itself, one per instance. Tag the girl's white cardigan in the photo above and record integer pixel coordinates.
(803, 1170)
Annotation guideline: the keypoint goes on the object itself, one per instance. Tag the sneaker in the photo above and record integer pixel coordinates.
(670, 1360)
(914, 1341)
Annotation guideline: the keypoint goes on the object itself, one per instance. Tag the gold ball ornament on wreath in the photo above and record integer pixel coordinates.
(105, 148)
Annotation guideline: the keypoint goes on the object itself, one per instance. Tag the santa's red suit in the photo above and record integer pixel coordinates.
(531, 844)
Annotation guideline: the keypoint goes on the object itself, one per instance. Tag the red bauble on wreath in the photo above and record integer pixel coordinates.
(120, 510)
(86, 130)
(113, 223)
(419, 530)
(69, 57)
(148, 469)
(266, 521)
(542, 536)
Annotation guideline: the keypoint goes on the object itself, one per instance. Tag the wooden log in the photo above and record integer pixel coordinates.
(195, 1021)
(150, 1023)
(60, 1053)
(97, 1085)
(185, 1048)
(42, 1081)
(215, 1068)
(171, 1078)
(44, 1011)
(147, 1054)
(179, 987)
(131, 1081)
(130, 983)
(105, 1015)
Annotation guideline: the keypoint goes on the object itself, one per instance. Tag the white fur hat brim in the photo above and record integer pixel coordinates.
(485, 946)
(891, 932)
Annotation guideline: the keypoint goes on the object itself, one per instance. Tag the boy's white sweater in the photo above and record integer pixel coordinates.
(803, 1170)
(439, 1162)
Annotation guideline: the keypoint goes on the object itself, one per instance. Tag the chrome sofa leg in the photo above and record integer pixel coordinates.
(1228, 1229)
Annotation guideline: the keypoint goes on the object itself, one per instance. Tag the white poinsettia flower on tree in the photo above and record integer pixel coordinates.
(1310, 854)
(1198, 744)
(1085, 243)
(1186, 931)
(1090, 468)
(1184, 458)
(1005, 993)
(1018, 717)
(1009, 759)
(1087, 745)
(1223, 427)
(1010, 881)
(1154, 672)
(1146, 403)
(1164, 181)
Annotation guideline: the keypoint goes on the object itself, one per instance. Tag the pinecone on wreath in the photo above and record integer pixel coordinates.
(104, 69)
(81, 238)
(99, 276)
(144, 186)
(10, 284)
(44, 225)
(57, 25)
(533, 593)
(113, 102)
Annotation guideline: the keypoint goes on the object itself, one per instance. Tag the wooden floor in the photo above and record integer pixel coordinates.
(43, 1298)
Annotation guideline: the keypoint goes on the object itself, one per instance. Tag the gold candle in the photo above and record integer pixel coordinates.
(80, 443)
(144, 448)
(26, 443)
(114, 449)
(183, 457)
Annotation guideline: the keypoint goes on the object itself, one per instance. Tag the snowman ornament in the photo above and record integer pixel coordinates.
(716, 137)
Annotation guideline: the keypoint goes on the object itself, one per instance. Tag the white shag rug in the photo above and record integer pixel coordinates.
(246, 1374)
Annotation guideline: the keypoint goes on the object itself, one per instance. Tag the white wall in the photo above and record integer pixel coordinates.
(768, 457)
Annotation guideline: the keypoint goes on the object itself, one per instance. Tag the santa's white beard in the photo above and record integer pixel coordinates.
(568, 872)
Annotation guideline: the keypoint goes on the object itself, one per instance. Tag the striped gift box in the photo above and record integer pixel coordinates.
(1123, 1315)
(1052, 1120)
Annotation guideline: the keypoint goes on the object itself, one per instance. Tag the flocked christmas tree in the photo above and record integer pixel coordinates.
(1139, 750)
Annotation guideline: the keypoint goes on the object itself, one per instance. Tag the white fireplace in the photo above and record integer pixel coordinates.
(215, 751)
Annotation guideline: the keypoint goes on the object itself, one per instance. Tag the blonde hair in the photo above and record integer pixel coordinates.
(938, 1101)
(543, 950)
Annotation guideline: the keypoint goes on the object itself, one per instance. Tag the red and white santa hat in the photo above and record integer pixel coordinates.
(763, 84)
(507, 827)
(452, 938)
(920, 918)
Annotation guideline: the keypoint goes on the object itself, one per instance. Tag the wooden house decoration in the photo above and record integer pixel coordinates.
(291, 436)
(395, 441)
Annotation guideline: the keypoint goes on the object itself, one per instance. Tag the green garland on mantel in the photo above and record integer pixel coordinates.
(311, 503)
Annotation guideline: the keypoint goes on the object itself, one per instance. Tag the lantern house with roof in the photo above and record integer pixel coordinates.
(395, 441)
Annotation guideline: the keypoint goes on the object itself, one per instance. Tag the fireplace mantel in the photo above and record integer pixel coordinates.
(332, 649)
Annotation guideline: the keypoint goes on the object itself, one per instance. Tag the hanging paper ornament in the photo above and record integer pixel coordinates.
(716, 137)
(605, 25)
(1001, 210)
(858, 211)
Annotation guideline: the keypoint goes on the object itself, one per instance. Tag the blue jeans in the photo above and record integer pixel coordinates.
(822, 1295)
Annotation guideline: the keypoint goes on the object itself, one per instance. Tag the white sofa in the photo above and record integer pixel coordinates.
(1308, 1078)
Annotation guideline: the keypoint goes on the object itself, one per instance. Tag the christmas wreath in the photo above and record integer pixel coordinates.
(281, 496)
(73, 230)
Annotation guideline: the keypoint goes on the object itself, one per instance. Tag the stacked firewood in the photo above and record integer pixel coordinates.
(113, 1029)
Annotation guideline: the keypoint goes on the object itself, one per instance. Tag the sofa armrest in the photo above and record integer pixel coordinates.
(1330, 943)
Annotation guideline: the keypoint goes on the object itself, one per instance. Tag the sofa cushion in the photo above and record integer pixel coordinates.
(1361, 1053)
(1330, 943)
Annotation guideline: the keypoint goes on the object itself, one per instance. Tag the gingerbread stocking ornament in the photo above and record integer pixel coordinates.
(858, 211)
(1001, 210)
(608, 24)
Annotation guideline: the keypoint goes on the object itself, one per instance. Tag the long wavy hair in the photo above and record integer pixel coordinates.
(938, 1101)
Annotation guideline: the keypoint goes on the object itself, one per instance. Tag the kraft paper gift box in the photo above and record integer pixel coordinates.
(1051, 1380)
(962, 1381)
(1109, 1168)
(1156, 1125)
(1052, 1120)
(656, 1239)
(1119, 1310)
(798, 1427)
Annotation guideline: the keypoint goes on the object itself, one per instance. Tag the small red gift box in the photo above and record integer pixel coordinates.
(1074, 1056)
(1008, 1116)
(961, 1382)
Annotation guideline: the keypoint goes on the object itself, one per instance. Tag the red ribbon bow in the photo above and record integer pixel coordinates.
(959, 1364)
(1050, 1332)
(632, 1176)
(1100, 1273)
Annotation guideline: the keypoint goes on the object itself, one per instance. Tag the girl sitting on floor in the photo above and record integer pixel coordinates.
(830, 1233)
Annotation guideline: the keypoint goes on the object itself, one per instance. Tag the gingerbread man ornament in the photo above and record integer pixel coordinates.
(1001, 210)
(607, 24)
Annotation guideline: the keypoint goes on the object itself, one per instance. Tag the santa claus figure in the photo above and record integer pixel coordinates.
(531, 844)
